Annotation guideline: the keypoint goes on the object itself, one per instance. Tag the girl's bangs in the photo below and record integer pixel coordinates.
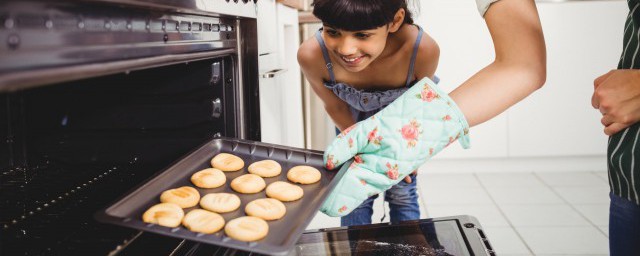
(352, 15)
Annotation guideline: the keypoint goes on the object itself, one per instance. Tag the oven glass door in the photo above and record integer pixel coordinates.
(414, 238)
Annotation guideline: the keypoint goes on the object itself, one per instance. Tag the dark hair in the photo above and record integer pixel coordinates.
(352, 15)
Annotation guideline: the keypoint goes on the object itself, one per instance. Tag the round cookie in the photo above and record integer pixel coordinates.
(266, 209)
(184, 197)
(265, 168)
(284, 191)
(227, 162)
(164, 214)
(220, 202)
(303, 174)
(203, 221)
(247, 228)
(248, 184)
(209, 178)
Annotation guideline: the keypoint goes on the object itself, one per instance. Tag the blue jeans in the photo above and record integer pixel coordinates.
(403, 204)
(624, 227)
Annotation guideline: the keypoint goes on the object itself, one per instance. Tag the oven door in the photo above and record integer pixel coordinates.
(459, 235)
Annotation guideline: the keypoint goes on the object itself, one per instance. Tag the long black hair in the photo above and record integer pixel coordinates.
(353, 15)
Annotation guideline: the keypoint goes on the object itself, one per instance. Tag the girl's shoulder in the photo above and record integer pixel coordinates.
(310, 58)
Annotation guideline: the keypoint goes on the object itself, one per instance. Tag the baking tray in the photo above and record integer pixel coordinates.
(283, 233)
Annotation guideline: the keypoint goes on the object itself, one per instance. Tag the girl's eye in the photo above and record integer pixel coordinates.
(362, 35)
(331, 32)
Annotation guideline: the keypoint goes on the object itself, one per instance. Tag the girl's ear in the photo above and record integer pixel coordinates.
(398, 19)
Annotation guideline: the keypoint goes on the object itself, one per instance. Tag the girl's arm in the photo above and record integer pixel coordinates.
(518, 69)
(337, 109)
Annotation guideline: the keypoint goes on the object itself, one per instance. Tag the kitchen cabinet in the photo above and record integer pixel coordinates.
(267, 27)
(556, 120)
(281, 116)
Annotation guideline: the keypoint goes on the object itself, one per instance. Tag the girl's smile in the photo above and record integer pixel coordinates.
(352, 61)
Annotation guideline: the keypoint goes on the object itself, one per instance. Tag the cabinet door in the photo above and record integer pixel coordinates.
(272, 125)
(290, 82)
(267, 27)
(558, 119)
(465, 48)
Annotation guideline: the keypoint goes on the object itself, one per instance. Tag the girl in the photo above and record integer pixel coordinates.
(368, 53)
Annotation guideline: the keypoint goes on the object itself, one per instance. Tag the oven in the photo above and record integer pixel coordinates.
(96, 96)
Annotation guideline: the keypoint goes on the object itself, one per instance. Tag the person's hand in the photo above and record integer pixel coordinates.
(391, 144)
(617, 95)
(407, 179)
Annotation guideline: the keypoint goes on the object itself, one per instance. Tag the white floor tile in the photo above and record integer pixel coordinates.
(505, 241)
(454, 195)
(509, 180)
(584, 194)
(524, 195)
(565, 240)
(556, 179)
(543, 215)
(458, 180)
(380, 209)
(598, 214)
(487, 215)
(322, 220)
(604, 229)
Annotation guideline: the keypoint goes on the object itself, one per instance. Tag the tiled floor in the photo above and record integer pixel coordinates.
(540, 213)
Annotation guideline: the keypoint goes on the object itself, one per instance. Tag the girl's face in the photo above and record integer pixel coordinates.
(355, 50)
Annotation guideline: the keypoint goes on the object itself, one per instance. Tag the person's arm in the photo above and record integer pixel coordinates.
(337, 109)
(519, 67)
(617, 95)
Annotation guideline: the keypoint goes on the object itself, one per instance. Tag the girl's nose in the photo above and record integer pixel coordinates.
(347, 47)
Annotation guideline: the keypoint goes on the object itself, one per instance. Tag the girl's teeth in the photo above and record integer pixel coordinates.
(350, 60)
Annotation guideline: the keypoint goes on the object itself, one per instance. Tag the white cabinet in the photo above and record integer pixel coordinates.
(557, 120)
(267, 27)
(281, 117)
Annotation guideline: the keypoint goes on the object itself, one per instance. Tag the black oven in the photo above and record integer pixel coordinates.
(96, 96)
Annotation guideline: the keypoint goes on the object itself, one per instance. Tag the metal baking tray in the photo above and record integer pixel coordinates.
(283, 233)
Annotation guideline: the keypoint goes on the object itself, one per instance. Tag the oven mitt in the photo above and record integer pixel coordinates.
(391, 144)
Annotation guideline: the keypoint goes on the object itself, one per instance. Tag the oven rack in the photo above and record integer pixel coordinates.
(32, 190)
(64, 222)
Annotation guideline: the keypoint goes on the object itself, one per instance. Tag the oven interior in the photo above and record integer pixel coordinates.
(74, 147)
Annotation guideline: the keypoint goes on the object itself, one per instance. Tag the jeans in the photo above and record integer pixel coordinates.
(403, 204)
(624, 227)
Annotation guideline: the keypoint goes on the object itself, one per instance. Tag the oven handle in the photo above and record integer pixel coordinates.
(273, 73)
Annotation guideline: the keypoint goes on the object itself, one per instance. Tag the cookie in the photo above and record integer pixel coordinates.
(265, 168)
(248, 184)
(220, 202)
(266, 209)
(247, 228)
(184, 197)
(164, 214)
(209, 178)
(284, 191)
(203, 221)
(227, 162)
(303, 174)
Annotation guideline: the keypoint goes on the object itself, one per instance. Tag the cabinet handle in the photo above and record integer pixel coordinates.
(273, 73)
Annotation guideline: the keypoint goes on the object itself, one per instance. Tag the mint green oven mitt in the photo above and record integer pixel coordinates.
(391, 144)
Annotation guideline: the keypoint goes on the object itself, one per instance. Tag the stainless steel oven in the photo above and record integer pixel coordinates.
(96, 96)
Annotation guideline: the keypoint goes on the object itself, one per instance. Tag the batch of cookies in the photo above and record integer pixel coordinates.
(253, 227)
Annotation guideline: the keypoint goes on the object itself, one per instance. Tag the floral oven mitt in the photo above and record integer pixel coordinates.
(391, 144)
